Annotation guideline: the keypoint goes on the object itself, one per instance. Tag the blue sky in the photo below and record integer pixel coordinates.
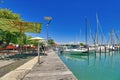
(68, 24)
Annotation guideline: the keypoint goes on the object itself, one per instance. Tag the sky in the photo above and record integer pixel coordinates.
(68, 17)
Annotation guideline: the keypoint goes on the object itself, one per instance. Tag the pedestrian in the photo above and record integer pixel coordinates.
(44, 49)
(40, 47)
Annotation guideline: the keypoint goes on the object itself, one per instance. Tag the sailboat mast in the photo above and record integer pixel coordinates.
(112, 38)
(86, 25)
(80, 36)
(97, 29)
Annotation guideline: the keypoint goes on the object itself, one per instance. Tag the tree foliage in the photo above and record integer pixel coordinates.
(7, 36)
(13, 37)
(7, 14)
(81, 44)
(51, 42)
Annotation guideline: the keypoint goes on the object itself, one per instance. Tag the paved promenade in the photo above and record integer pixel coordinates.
(5, 62)
(21, 71)
(51, 68)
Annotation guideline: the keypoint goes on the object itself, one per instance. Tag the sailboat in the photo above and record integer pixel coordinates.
(86, 48)
(112, 46)
(99, 47)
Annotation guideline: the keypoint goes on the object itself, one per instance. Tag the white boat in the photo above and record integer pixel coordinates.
(79, 50)
(66, 49)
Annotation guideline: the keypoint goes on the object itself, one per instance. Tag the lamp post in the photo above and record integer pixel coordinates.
(47, 18)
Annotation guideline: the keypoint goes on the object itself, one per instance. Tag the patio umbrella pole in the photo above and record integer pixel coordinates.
(38, 54)
(20, 40)
(38, 39)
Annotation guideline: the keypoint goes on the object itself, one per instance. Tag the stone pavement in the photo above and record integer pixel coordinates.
(51, 68)
(21, 71)
(5, 62)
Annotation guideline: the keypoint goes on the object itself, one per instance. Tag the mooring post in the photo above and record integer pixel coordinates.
(100, 49)
(105, 49)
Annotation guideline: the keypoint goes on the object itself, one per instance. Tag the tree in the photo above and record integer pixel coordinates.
(1, 36)
(16, 35)
(7, 14)
(51, 42)
(8, 36)
(81, 44)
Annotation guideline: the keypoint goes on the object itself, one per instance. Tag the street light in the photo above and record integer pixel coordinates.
(47, 18)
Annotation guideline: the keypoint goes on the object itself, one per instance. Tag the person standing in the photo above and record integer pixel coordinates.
(44, 49)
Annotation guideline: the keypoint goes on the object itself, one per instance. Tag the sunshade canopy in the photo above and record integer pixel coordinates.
(17, 26)
(36, 38)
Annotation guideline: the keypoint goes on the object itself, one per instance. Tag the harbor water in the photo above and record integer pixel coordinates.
(93, 66)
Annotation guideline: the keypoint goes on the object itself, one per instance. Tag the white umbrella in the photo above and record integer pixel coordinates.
(39, 39)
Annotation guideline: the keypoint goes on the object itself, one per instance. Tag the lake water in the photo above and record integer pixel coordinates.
(99, 66)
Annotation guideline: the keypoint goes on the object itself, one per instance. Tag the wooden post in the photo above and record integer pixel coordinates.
(112, 48)
(95, 49)
(109, 50)
(100, 49)
(88, 49)
(20, 38)
(105, 49)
